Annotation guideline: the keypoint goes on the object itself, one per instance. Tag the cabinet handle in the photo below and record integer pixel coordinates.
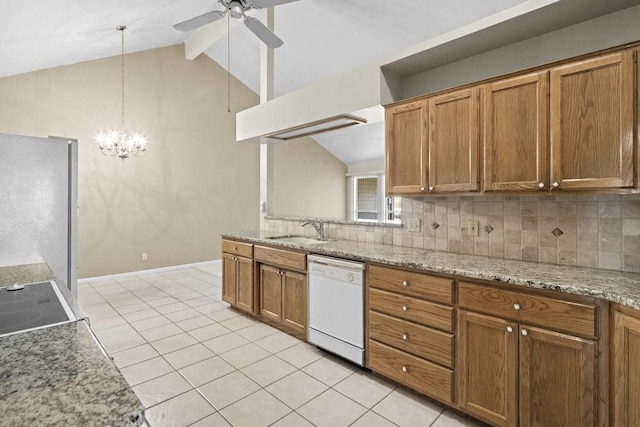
(509, 329)
(555, 184)
(431, 188)
(405, 369)
(405, 308)
(405, 283)
(516, 306)
(421, 188)
(525, 332)
(235, 248)
(541, 185)
(405, 337)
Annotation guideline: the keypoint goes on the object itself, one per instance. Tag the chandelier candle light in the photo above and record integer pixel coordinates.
(119, 143)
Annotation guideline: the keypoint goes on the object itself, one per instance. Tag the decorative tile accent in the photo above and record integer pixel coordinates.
(488, 228)
(435, 225)
(557, 232)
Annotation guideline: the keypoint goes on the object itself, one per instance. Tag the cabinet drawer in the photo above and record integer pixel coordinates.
(281, 257)
(410, 283)
(421, 341)
(419, 374)
(556, 314)
(237, 248)
(408, 308)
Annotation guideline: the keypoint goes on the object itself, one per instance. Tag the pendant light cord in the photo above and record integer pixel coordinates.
(121, 29)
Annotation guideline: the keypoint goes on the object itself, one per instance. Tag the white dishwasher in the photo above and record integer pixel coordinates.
(336, 316)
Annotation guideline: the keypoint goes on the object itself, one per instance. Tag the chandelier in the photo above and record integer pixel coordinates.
(118, 142)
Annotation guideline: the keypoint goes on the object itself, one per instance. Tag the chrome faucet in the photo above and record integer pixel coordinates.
(318, 225)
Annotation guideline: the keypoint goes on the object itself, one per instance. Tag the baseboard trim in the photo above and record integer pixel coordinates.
(153, 270)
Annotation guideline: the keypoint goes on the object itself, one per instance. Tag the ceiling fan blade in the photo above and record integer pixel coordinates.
(199, 21)
(261, 4)
(263, 33)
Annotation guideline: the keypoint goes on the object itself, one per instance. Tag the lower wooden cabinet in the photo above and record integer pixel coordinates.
(410, 330)
(283, 297)
(513, 373)
(557, 379)
(488, 368)
(626, 369)
(237, 276)
(283, 292)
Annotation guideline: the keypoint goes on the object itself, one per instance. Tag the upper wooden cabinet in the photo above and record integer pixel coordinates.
(453, 142)
(516, 142)
(592, 123)
(432, 144)
(406, 148)
(570, 127)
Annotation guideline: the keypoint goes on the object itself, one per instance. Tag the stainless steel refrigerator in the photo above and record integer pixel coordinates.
(38, 204)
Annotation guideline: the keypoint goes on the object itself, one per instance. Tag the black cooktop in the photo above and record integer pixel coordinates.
(34, 305)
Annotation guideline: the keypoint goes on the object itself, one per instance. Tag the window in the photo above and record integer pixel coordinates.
(367, 202)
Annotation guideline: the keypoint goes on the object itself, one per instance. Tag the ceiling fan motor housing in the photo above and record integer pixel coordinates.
(236, 10)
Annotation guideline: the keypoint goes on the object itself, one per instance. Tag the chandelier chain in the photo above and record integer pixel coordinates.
(122, 76)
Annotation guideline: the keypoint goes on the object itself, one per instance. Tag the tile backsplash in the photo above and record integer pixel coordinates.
(601, 231)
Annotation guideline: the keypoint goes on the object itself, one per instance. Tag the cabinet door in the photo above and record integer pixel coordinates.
(271, 293)
(487, 368)
(295, 301)
(229, 275)
(245, 284)
(626, 371)
(406, 148)
(557, 379)
(515, 134)
(592, 123)
(453, 141)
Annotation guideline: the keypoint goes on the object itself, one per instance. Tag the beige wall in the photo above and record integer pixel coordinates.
(308, 181)
(193, 182)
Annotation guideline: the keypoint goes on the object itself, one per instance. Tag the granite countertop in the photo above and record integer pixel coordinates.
(27, 273)
(60, 376)
(615, 286)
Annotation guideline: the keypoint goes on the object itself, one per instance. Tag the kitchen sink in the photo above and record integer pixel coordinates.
(299, 239)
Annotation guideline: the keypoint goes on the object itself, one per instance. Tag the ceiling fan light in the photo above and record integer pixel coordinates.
(235, 10)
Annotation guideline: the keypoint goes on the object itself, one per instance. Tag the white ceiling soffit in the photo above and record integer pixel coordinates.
(351, 92)
(539, 17)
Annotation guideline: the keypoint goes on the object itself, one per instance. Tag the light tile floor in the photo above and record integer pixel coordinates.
(194, 361)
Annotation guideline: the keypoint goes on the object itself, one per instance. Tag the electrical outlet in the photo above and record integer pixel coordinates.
(473, 228)
(414, 225)
(144, 256)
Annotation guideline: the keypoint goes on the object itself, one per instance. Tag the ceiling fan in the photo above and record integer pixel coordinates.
(237, 9)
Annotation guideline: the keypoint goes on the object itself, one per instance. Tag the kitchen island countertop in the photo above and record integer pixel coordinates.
(616, 286)
(59, 376)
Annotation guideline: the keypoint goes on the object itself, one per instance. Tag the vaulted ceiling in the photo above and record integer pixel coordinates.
(322, 38)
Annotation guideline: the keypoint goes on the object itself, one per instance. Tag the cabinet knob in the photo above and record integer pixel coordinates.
(421, 188)
(405, 369)
(405, 308)
(235, 248)
(541, 185)
(555, 184)
(509, 329)
(516, 306)
(524, 332)
(405, 283)
(405, 337)
(431, 188)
